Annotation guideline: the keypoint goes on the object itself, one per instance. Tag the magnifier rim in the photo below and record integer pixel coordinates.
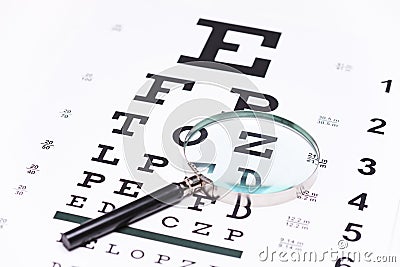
(266, 199)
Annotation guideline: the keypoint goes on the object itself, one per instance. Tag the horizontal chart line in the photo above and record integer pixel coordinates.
(157, 237)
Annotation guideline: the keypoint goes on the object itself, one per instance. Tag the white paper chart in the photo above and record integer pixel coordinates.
(94, 99)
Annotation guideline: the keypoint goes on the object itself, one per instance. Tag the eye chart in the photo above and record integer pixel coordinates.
(94, 100)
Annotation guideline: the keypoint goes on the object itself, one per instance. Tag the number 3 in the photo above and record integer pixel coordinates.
(371, 170)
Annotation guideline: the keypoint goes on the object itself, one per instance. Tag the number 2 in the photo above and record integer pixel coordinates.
(375, 129)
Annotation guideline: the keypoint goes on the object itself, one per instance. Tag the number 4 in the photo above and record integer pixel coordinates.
(361, 201)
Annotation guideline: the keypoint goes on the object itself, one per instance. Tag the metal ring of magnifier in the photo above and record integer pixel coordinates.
(269, 199)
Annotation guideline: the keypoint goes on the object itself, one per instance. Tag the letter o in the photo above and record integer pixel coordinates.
(177, 132)
(140, 252)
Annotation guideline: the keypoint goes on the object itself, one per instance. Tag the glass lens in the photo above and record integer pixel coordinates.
(250, 152)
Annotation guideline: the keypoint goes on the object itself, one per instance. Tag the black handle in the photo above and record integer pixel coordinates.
(123, 216)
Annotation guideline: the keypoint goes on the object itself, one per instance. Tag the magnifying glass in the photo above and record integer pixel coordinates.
(255, 155)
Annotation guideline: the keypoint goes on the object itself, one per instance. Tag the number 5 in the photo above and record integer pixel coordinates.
(349, 229)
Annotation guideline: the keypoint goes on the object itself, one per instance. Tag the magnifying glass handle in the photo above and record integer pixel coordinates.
(131, 212)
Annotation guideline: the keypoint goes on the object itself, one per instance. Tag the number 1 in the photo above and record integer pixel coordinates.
(388, 85)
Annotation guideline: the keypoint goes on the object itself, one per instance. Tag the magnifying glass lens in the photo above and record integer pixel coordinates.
(252, 153)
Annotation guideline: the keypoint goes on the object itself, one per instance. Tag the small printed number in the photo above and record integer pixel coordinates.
(375, 128)
(370, 166)
(349, 229)
(361, 201)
